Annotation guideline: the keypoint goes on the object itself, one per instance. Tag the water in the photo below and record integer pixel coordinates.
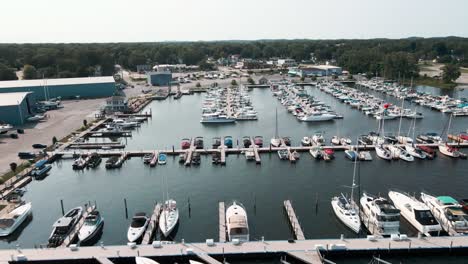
(261, 188)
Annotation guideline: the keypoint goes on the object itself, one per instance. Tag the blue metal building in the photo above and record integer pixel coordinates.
(66, 88)
(15, 108)
(159, 78)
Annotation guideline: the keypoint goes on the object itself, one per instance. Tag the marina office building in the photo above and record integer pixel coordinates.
(15, 108)
(65, 88)
(315, 70)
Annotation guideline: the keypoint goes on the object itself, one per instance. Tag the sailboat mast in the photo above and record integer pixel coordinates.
(353, 185)
(401, 116)
(276, 123)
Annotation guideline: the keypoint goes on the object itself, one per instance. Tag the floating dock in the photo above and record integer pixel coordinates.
(295, 226)
(153, 225)
(74, 233)
(223, 155)
(291, 157)
(222, 222)
(105, 145)
(327, 247)
(188, 160)
(311, 257)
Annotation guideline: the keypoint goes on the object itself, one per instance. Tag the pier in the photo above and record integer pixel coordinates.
(223, 154)
(291, 157)
(102, 145)
(302, 249)
(296, 227)
(311, 257)
(188, 160)
(74, 233)
(222, 222)
(153, 225)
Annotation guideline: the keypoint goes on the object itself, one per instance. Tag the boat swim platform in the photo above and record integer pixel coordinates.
(153, 225)
(295, 225)
(140, 153)
(356, 246)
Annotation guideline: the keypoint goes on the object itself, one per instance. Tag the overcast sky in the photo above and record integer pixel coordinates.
(157, 20)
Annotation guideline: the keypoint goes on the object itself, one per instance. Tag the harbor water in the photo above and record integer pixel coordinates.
(309, 184)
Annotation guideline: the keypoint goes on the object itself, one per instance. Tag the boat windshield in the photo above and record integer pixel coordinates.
(239, 231)
(425, 217)
(388, 218)
(138, 222)
(456, 214)
(90, 221)
(6, 222)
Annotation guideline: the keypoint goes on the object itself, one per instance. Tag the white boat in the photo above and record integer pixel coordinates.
(449, 151)
(346, 209)
(249, 154)
(216, 118)
(305, 141)
(317, 117)
(382, 152)
(64, 225)
(448, 212)
(283, 154)
(91, 226)
(162, 158)
(143, 260)
(345, 141)
(364, 155)
(379, 216)
(195, 262)
(335, 140)
(10, 221)
(138, 227)
(316, 152)
(318, 140)
(169, 217)
(415, 151)
(237, 223)
(125, 124)
(415, 212)
(35, 118)
(276, 140)
(4, 128)
(404, 140)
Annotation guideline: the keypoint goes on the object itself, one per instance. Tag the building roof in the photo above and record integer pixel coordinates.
(53, 82)
(7, 99)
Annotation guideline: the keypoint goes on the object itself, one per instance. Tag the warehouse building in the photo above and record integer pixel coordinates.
(15, 108)
(315, 70)
(66, 88)
(159, 78)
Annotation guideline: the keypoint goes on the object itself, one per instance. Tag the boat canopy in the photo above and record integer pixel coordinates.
(40, 163)
(446, 200)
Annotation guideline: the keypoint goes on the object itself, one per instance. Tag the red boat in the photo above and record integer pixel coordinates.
(430, 153)
(464, 203)
(328, 154)
(464, 137)
(185, 143)
(258, 140)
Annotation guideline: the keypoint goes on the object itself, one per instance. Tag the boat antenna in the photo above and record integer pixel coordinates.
(276, 123)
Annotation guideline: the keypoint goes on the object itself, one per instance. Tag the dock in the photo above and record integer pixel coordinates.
(153, 225)
(103, 145)
(311, 257)
(223, 155)
(295, 226)
(222, 222)
(154, 160)
(330, 247)
(74, 233)
(188, 160)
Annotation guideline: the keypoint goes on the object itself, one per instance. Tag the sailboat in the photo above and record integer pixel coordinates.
(276, 141)
(170, 214)
(447, 150)
(346, 209)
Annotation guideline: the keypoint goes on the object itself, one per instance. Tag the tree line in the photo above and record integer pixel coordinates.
(383, 57)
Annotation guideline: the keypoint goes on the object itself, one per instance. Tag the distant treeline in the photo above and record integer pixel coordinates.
(384, 57)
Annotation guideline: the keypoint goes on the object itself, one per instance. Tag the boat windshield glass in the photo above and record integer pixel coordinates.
(7, 222)
(388, 218)
(138, 222)
(425, 217)
(239, 231)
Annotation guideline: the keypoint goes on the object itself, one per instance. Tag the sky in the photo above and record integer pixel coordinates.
(39, 21)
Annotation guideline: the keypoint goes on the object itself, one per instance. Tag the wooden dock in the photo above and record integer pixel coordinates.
(153, 225)
(188, 160)
(222, 222)
(223, 154)
(295, 226)
(74, 233)
(96, 145)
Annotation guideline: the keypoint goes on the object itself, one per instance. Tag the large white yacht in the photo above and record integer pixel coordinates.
(237, 223)
(316, 117)
(169, 217)
(415, 212)
(216, 118)
(379, 216)
(14, 218)
(382, 152)
(448, 212)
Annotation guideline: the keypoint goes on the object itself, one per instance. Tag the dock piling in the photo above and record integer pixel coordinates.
(61, 204)
(126, 209)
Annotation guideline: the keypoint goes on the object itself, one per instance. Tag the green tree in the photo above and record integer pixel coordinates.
(7, 73)
(198, 85)
(233, 83)
(302, 78)
(29, 72)
(250, 80)
(54, 140)
(450, 72)
(13, 166)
